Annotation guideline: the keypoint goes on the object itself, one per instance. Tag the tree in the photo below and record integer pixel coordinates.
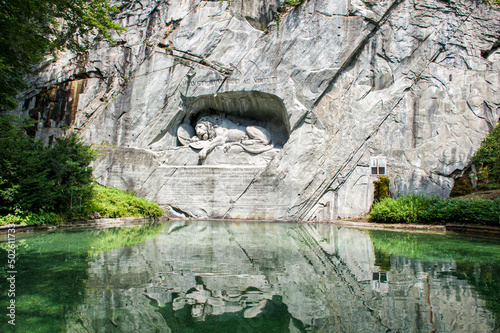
(31, 29)
(487, 158)
(35, 177)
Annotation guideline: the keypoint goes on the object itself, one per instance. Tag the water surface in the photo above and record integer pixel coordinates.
(253, 277)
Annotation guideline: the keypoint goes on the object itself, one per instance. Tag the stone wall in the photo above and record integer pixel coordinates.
(336, 83)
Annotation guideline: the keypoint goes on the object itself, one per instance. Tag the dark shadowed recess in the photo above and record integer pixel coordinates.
(247, 107)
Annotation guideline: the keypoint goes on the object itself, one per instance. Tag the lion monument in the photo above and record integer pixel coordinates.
(213, 131)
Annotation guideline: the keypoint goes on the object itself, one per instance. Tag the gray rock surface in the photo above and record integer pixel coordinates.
(336, 82)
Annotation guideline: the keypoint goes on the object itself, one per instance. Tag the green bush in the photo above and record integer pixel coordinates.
(407, 209)
(29, 218)
(428, 210)
(39, 183)
(487, 158)
(112, 202)
(471, 211)
(34, 177)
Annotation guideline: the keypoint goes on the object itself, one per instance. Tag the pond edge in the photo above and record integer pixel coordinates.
(133, 221)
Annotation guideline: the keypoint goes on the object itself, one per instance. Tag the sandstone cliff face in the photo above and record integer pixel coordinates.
(337, 83)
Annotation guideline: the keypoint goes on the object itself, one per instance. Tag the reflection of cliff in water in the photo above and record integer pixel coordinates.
(253, 277)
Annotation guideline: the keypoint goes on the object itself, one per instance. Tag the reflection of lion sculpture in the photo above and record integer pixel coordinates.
(214, 131)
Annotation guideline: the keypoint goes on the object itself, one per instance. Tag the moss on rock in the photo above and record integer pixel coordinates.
(381, 190)
(462, 186)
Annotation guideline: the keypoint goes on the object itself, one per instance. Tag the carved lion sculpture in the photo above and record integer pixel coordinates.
(214, 131)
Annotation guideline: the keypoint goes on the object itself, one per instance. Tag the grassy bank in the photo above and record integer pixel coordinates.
(433, 210)
(46, 184)
(112, 202)
(104, 202)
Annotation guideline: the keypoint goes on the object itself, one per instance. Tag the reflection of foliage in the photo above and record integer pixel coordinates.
(43, 298)
(478, 261)
(78, 242)
(427, 246)
(52, 270)
(382, 260)
(107, 240)
(486, 280)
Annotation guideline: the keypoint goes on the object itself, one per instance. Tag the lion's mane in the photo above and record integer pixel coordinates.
(210, 122)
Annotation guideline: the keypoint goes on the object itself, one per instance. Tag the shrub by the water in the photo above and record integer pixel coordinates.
(45, 184)
(428, 210)
(37, 178)
(471, 211)
(407, 209)
(104, 202)
(29, 218)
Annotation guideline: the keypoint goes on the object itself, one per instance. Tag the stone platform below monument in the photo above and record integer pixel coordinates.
(200, 191)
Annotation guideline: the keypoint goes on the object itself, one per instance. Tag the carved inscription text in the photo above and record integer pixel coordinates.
(217, 82)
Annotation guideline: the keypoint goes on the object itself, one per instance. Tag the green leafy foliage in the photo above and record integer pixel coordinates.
(112, 202)
(32, 29)
(35, 178)
(41, 184)
(428, 210)
(294, 2)
(381, 189)
(487, 158)
(493, 3)
(30, 218)
(407, 209)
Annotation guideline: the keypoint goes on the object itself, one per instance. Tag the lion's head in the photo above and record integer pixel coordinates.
(205, 127)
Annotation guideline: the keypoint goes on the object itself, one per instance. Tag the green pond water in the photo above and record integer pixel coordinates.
(250, 277)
